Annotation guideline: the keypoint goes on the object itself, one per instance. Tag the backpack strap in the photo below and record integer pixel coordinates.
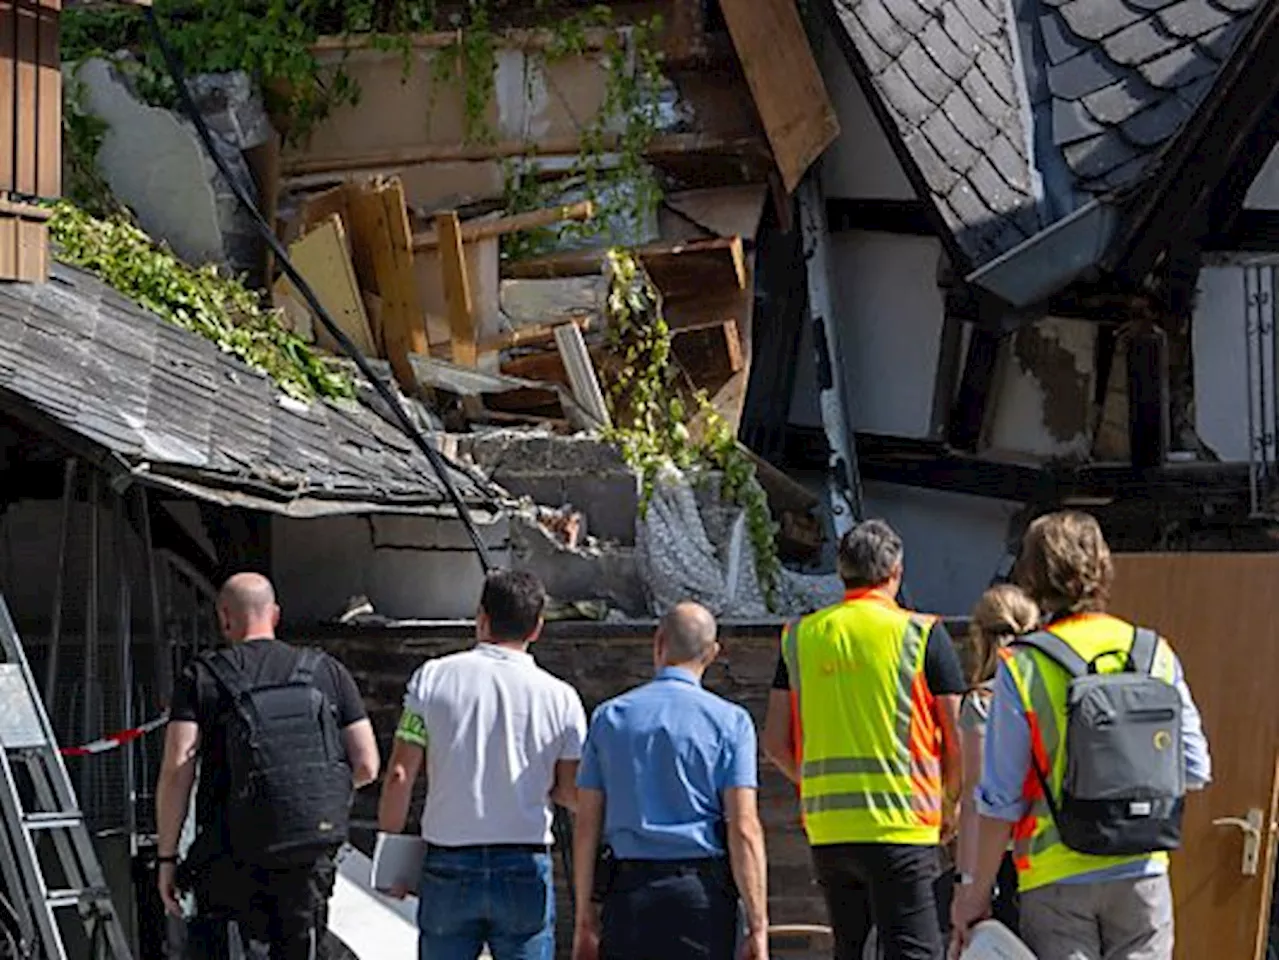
(1142, 655)
(1056, 649)
(304, 669)
(227, 676)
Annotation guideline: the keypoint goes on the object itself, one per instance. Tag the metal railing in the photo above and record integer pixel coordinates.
(1260, 312)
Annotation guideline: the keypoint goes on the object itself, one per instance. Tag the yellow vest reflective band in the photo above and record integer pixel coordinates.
(1042, 858)
(868, 741)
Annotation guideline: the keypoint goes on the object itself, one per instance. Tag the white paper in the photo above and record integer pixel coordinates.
(992, 940)
(397, 862)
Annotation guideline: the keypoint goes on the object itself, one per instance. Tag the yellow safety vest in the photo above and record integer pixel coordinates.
(1041, 856)
(869, 744)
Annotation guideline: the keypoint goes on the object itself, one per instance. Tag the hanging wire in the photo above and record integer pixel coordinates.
(282, 255)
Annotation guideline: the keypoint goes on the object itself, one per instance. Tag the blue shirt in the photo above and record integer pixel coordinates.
(662, 754)
(1006, 762)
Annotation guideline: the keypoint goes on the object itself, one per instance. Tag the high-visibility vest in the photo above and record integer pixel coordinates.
(1040, 855)
(869, 744)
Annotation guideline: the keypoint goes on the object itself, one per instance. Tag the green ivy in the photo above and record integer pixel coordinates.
(650, 418)
(201, 300)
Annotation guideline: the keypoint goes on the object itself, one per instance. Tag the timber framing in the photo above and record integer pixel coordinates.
(907, 217)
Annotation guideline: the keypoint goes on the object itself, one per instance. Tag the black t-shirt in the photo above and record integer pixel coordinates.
(942, 670)
(197, 697)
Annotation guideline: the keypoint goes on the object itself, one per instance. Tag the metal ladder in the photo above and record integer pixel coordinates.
(27, 744)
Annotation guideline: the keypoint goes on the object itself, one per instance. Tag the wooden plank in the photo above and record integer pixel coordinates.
(545, 367)
(692, 267)
(474, 230)
(542, 302)
(785, 81)
(403, 328)
(8, 119)
(667, 145)
(724, 211)
(8, 247)
(26, 132)
(535, 335)
(48, 173)
(582, 374)
(323, 259)
(453, 273)
(33, 251)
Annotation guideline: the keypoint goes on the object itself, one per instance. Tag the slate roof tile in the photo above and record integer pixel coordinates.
(1237, 6)
(1081, 75)
(1140, 42)
(1095, 19)
(1193, 18)
(1120, 101)
(1099, 155)
(1072, 122)
(989, 103)
(999, 74)
(1220, 42)
(946, 140)
(912, 106)
(1156, 124)
(962, 33)
(1193, 93)
(993, 188)
(1060, 43)
(1178, 67)
(940, 175)
(984, 21)
(968, 120)
(909, 14)
(881, 28)
(925, 73)
(953, 61)
(1007, 158)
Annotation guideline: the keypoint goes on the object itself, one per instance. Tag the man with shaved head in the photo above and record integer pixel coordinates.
(282, 738)
(668, 782)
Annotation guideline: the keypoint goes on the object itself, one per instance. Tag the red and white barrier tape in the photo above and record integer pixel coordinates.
(116, 739)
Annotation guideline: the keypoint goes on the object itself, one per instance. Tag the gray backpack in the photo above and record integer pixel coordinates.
(1123, 789)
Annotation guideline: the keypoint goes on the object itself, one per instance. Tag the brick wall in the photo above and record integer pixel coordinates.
(602, 661)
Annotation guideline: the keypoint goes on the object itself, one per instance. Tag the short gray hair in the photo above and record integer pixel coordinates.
(869, 554)
(689, 631)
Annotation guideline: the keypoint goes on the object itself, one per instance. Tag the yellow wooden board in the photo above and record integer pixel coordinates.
(324, 260)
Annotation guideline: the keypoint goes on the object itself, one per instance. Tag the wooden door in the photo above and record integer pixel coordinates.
(1219, 611)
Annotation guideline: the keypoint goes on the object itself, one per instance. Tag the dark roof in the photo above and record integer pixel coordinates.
(175, 410)
(1009, 135)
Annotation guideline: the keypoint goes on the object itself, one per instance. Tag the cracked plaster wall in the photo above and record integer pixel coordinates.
(1042, 404)
(409, 567)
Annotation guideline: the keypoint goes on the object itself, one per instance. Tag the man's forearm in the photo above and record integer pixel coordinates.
(993, 841)
(587, 825)
(173, 795)
(393, 803)
(746, 857)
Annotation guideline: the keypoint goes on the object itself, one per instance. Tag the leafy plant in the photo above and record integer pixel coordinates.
(650, 417)
(201, 300)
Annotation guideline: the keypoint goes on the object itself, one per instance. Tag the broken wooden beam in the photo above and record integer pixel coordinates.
(474, 230)
(323, 258)
(457, 291)
(531, 336)
(676, 268)
(380, 231)
(677, 144)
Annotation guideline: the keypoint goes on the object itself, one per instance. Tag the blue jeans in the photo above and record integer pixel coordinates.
(478, 896)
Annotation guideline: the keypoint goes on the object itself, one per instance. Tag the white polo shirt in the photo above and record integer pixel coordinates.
(495, 724)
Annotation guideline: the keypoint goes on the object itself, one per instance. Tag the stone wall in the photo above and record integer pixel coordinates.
(601, 661)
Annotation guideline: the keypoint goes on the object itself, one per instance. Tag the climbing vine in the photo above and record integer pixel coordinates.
(202, 300)
(650, 415)
(273, 41)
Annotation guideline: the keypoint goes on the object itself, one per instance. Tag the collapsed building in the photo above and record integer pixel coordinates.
(954, 264)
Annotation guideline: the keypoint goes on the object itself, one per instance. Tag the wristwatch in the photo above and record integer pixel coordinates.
(965, 879)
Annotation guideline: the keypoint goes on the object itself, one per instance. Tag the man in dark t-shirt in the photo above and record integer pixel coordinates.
(284, 909)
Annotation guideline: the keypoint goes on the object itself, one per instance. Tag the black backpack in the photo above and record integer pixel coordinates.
(1123, 789)
(290, 790)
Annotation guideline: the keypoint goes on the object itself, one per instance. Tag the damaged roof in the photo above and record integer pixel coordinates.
(178, 412)
(1016, 113)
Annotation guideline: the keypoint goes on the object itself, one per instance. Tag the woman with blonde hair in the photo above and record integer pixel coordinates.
(1002, 613)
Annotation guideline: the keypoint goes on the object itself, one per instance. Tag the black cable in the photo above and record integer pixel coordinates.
(282, 255)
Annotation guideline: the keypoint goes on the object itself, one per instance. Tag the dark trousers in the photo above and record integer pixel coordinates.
(663, 910)
(285, 910)
(1004, 902)
(885, 885)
